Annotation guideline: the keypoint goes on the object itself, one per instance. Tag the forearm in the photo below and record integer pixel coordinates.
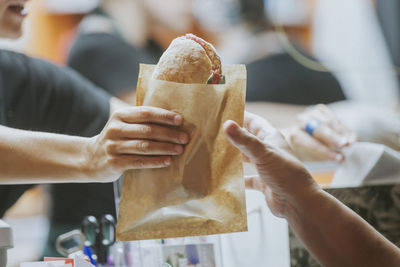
(36, 157)
(335, 235)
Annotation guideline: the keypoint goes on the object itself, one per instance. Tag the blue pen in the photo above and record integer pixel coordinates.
(88, 252)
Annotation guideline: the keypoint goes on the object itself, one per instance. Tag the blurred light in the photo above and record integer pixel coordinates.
(216, 16)
(71, 6)
(287, 12)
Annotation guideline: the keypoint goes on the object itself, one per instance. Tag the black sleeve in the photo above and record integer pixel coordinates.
(41, 96)
(107, 61)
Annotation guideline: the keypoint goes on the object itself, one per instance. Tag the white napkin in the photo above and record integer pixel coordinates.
(45, 264)
(368, 164)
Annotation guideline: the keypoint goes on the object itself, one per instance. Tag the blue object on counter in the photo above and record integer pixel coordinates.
(88, 252)
(192, 254)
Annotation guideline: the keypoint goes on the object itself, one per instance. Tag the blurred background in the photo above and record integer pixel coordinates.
(297, 52)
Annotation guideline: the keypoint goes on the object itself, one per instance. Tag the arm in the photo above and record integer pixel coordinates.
(334, 234)
(133, 138)
(41, 97)
(37, 157)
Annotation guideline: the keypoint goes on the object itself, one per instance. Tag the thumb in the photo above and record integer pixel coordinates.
(247, 143)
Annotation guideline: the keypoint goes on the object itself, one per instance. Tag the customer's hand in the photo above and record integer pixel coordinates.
(333, 233)
(324, 140)
(135, 138)
(282, 176)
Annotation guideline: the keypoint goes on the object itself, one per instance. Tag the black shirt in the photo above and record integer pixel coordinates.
(108, 61)
(279, 78)
(37, 95)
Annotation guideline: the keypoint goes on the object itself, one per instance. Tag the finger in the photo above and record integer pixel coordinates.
(308, 148)
(332, 122)
(325, 111)
(325, 115)
(245, 158)
(329, 137)
(128, 162)
(352, 137)
(322, 131)
(147, 114)
(148, 131)
(144, 147)
(246, 142)
(332, 134)
(342, 130)
(257, 125)
(254, 182)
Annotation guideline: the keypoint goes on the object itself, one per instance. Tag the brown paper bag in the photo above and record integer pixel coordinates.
(202, 192)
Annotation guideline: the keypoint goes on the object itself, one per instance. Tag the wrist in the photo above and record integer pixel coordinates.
(303, 195)
(300, 202)
(86, 168)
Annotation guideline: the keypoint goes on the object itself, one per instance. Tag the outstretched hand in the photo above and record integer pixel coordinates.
(280, 173)
(135, 138)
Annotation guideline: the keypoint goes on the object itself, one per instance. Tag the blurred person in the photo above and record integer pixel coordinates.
(348, 40)
(334, 234)
(291, 79)
(45, 107)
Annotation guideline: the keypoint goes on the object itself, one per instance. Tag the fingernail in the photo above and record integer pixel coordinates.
(167, 161)
(183, 138)
(178, 149)
(178, 119)
(231, 128)
(341, 142)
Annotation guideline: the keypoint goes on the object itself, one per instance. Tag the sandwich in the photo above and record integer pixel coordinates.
(190, 59)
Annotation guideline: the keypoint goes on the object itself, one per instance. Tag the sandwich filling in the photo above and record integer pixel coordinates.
(216, 76)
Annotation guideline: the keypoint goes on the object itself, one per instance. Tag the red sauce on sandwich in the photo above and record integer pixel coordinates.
(216, 77)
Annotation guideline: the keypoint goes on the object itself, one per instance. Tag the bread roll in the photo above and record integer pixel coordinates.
(189, 59)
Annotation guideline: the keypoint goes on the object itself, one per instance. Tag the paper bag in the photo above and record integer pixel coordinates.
(202, 192)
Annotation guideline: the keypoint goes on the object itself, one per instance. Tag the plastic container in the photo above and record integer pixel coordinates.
(6, 242)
